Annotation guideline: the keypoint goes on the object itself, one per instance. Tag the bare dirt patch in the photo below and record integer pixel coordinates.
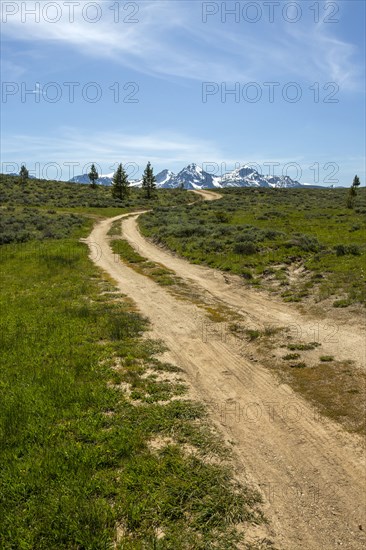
(310, 472)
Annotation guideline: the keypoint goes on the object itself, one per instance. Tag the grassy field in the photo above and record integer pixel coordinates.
(101, 446)
(42, 209)
(298, 243)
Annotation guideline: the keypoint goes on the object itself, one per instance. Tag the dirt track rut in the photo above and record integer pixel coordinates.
(310, 472)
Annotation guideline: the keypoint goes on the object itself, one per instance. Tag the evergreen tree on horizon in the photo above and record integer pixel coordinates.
(120, 183)
(356, 181)
(148, 180)
(352, 192)
(24, 174)
(93, 176)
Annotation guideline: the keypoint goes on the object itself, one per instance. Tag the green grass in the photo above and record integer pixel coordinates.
(298, 243)
(253, 334)
(303, 347)
(157, 272)
(300, 365)
(167, 278)
(78, 470)
(115, 229)
(291, 356)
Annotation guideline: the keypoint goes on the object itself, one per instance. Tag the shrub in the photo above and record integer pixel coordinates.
(275, 214)
(245, 248)
(222, 217)
(28, 224)
(291, 356)
(246, 274)
(355, 227)
(352, 249)
(188, 231)
(223, 230)
(304, 347)
(253, 334)
(340, 249)
(212, 246)
(307, 243)
(272, 234)
(342, 303)
(298, 365)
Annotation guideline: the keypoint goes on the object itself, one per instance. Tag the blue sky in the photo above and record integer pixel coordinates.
(295, 69)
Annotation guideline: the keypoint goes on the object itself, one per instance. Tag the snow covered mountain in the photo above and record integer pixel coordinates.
(165, 178)
(106, 180)
(246, 176)
(194, 177)
(84, 178)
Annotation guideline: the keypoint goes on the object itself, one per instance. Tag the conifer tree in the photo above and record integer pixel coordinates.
(148, 180)
(352, 192)
(356, 181)
(93, 176)
(120, 183)
(24, 174)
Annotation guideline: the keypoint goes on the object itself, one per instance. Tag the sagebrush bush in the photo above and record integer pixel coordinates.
(272, 227)
(245, 248)
(343, 250)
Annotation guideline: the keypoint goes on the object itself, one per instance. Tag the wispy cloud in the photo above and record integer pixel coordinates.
(106, 148)
(163, 149)
(10, 70)
(170, 40)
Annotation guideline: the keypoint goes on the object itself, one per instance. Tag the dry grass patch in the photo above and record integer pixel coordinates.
(337, 389)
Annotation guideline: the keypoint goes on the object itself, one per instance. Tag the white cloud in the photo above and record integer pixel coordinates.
(170, 40)
(11, 71)
(107, 148)
(163, 149)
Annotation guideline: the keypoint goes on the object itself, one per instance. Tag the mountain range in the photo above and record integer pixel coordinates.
(194, 177)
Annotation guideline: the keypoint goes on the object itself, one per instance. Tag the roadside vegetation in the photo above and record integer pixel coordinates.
(101, 445)
(337, 389)
(298, 243)
(42, 209)
(167, 278)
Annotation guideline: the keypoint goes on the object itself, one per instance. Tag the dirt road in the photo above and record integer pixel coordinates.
(310, 472)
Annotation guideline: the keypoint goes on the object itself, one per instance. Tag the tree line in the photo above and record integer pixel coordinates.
(120, 183)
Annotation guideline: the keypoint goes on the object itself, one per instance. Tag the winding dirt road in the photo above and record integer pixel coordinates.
(310, 472)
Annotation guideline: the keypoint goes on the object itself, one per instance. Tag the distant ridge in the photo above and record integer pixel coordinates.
(194, 177)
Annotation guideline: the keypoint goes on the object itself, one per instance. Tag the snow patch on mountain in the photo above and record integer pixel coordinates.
(194, 177)
(165, 178)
